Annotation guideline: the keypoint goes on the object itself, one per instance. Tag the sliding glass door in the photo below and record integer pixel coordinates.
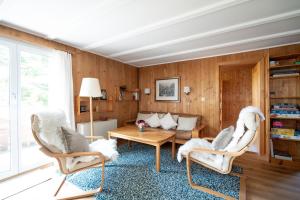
(24, 80)
(33, 95)
(8, 163)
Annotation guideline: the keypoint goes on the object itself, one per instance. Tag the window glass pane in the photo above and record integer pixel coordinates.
(34, 74)
(5, 148)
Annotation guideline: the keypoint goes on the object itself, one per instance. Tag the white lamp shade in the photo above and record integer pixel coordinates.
(90, 87)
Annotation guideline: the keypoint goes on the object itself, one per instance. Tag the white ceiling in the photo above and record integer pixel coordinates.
(149, 32)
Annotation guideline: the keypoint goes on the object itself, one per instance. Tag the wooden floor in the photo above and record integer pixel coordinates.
(264, 181)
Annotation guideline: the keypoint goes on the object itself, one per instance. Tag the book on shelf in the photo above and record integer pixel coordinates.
(283, 131)
(295, 137)
(282, 155)
(285, 75)
(271, 148)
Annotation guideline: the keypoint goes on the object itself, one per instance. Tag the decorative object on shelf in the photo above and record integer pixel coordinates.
(135, 96)
(83, 109)
(90, 87)
(187, 90)
(167, 89)
(141, 125)
(122, 92)
(147, 91)
(104, 94)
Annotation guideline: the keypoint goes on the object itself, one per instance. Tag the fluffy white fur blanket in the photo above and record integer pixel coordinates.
(193, 143)
(246, 118)
(107, 147)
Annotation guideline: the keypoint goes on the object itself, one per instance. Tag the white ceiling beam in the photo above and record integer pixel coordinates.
(167, 22)
(105, 6)
(228, 44)
(219, 54)
(228, 29)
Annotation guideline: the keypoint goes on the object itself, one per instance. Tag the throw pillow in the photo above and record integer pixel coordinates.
(186, 123)
(73, 141)
(167, 122)
(223, 138)
(175, 117)
(161, 115)
(142, 116)
(153, 121)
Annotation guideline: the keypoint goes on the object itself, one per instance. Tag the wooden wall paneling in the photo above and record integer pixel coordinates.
(202, 76)
(84, 64)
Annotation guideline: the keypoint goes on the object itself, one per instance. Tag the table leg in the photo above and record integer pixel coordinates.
(129, 144)
(173, 148)
(158, 158)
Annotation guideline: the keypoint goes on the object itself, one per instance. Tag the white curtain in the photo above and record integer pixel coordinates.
(61, 85)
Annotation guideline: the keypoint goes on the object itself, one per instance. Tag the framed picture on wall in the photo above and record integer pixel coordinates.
(167, 89)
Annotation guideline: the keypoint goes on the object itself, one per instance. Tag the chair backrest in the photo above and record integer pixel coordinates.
(244, 136)
(45, 126)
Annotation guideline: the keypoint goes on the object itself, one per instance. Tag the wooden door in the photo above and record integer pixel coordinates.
(235, 92)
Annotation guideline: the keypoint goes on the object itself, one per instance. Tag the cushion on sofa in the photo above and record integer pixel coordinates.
(142, 116)
(153, 121)
(186, 123)
(167, 122)
(185, 135)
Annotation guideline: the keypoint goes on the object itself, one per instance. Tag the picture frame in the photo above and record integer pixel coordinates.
(167, 89)
(104, 94)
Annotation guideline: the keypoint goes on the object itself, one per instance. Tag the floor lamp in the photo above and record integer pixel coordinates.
(90, 87)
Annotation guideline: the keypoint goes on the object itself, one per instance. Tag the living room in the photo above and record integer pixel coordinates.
(150, 99)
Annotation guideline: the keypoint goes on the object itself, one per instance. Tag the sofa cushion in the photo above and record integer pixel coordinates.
(167, 122)
(186, 123)
(185, 135)
(142, 116)
(153, 121)
(223, 138)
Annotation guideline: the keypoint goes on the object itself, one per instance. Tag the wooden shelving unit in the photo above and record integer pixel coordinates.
(285, 77)
(124, 94)
(99, 105)
(285, 89)
(285, 97)
(285, 66)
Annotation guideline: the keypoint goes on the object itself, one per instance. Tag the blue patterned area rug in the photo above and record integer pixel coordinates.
(133, 176)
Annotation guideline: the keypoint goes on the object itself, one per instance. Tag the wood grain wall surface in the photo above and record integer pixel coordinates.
(110, 73)
(202, 76)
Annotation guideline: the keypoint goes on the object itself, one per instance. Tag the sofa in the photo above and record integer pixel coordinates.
(181, 135)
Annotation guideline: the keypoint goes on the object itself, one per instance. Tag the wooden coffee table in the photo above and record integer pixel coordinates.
(151, 136)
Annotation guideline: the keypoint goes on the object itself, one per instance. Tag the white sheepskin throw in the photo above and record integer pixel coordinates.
(193, 143)
(247, 118)
(107, 147)
(50, 122)
(240, 139)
